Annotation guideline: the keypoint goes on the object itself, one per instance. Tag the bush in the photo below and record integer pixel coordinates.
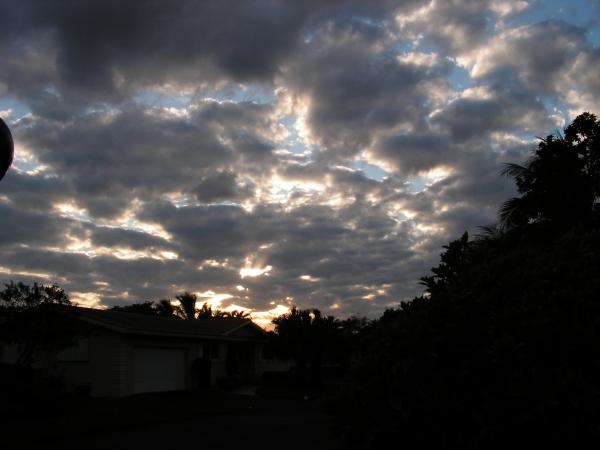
(508, 352)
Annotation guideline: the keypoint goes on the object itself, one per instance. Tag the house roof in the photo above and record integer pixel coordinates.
(131, 323)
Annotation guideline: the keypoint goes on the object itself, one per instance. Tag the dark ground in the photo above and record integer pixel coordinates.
(265, 424)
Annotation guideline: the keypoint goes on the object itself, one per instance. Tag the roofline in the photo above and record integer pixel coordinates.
(222, 336)
(241, 325)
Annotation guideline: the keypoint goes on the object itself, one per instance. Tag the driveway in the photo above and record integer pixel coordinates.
(264, 424)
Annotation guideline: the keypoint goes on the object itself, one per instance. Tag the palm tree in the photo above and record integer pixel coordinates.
(187, 306)
(206, 312)
(165, 308)
(235, 314)
(306, 336)
(560, 182)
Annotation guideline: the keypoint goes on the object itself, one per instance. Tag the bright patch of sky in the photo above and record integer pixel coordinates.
(369, 170)
(12, 109)
(459, 79)
(248, 93)
(418, 184)
(156, 98)
(586, 13)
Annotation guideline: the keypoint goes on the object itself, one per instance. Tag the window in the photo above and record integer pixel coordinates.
(78, 352)
(211, 350)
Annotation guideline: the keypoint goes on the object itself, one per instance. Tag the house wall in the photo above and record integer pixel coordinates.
(97, 371)
(269, 365)
(109, 368)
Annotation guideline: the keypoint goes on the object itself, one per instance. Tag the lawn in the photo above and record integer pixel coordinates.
(68, 415)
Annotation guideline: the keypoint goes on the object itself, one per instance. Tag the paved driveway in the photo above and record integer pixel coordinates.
(265, 424)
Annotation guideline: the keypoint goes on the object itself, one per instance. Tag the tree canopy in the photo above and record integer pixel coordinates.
(147, 308)
(39, 319)
(502, 346)
(306, 336)
(559, 183)
(186, 309)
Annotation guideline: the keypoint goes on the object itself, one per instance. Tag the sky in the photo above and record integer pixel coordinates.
(264, 153)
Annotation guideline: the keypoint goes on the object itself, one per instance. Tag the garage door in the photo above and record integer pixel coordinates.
(158, 369)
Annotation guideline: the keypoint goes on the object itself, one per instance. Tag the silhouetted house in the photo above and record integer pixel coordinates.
(121, 353)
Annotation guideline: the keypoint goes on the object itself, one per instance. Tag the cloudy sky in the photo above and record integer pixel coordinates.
(267, 152)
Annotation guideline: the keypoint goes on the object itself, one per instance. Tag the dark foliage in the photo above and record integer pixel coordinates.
(560, 182)
(39, 320)
(146, 308)
(23, 400)
(306, 336)
(504, 347)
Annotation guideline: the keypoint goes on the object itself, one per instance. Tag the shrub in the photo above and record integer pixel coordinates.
(507, 352)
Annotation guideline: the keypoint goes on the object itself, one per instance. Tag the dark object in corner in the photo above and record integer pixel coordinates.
(6, 149)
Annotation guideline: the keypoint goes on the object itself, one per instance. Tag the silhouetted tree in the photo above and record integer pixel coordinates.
(305, 336)
(187, 306)
(206, 312)
(147, 308)
(559, 183)
(501, 349)
(235, 314)
(165, 308)
(39, 320)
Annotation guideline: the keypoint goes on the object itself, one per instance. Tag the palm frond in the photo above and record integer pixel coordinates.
(509, 211)
(512, 170)
(490, 231)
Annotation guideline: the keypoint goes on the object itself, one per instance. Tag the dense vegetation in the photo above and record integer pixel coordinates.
(37, 320)
(503, 346)
(185, 308)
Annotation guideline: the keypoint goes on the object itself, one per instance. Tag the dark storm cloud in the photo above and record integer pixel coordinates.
(29, 228)
(104, 50)
(108, 158)
(218, 187)
(354, 92)
(414, 153)
(457, 132)
(35, 192)
(498, 111)
(309, 240)
(205, 232)
(130, 239)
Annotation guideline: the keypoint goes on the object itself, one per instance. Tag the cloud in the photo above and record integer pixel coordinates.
(535, 56)
(168, 147)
